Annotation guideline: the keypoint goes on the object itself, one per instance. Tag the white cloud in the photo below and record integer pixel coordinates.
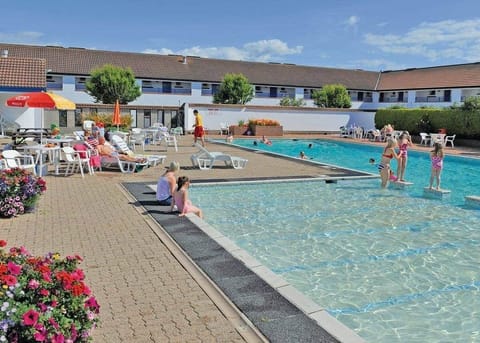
(376, 64)
(28, 37)
(352, 21)
(261, 51)
(444, 39)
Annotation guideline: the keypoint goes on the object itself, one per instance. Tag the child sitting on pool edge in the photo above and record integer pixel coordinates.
(181, 200)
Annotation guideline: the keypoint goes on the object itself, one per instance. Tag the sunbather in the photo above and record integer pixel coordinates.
(105, 149)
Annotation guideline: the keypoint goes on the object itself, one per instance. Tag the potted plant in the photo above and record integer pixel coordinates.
(44, 298)
(19, 191)
(265, 127)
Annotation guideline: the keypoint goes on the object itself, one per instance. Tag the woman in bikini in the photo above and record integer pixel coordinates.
(404, 142)
(384, 165)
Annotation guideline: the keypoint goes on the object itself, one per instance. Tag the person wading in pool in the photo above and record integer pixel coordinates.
(384, 165)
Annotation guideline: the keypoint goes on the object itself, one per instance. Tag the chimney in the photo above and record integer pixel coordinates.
(5, 53)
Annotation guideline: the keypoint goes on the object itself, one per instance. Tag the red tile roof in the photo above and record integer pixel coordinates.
(452, 76)
(79, 61)
(22, 72)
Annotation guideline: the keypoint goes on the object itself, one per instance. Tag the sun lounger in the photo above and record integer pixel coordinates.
(205, 159)
(122, 146)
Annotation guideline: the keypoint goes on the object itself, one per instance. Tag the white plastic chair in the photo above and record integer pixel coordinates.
(137, 137)
(14, 159)
(449, 139)
(224, 128)
(74, 159)
(170, 140)
(425, 138)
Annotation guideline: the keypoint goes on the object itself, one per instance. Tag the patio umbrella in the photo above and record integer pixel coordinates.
(116, 120)
(43, 100)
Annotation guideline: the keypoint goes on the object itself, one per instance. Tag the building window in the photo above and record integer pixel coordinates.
(78, 117)
(62, 118)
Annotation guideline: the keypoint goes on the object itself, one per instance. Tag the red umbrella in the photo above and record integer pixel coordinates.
(116, 120)
(41, 100)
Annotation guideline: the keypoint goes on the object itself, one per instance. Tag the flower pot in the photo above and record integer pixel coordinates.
(238, 130)
(259, 130)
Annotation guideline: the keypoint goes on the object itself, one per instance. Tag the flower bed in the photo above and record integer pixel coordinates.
(44, 299)
(19, 191)
(265, 127)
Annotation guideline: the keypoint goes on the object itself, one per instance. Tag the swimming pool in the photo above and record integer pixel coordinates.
(391, 264)
(460, 175)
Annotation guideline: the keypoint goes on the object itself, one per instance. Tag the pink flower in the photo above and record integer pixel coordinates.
(14, 269)
(58, 338)
(33, 284)
(92, 304)
(30, 317)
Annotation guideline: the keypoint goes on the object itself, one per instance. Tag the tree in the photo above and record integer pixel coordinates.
(234, 89)
(287, 101)
(471, 103)
(109, 83)
(332, 96)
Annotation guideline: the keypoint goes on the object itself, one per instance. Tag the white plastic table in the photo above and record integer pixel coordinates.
(40, 150)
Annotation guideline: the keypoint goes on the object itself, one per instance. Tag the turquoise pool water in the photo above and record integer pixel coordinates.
(461, 175)
(391, 264)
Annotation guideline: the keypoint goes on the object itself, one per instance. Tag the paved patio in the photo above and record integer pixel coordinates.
(147, 291)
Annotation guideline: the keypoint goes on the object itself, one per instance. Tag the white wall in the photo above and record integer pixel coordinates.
(305, 120)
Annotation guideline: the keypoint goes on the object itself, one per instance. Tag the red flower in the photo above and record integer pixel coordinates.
(3, 268)
(30, 317)
(2, 243)
(9, 280)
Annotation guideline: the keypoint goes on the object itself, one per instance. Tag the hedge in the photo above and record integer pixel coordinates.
(465, 124)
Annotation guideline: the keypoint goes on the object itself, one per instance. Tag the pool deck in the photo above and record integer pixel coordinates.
(148, 288)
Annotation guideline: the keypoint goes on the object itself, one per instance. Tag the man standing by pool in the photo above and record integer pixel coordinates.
(199, 132)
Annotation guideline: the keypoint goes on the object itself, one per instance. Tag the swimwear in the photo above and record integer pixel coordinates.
(403, 150)
(437, 162)
(381, 166)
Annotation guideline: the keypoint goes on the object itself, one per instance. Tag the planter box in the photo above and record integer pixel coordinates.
(238, 130)
(267, 130)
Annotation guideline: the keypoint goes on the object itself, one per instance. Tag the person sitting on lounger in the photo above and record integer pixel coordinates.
(105, 149)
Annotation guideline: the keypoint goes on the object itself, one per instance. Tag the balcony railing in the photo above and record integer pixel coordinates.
(393, 100)
(55, 85)
(430, 98)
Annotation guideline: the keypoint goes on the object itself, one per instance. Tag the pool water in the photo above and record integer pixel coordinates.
(391, 264)
(460, 175)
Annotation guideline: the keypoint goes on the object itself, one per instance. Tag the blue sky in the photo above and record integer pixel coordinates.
(370, 35)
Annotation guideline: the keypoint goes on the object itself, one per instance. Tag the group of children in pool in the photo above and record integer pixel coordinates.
(404, 141)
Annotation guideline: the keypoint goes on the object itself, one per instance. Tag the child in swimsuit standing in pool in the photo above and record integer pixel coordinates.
(384, 165)
(180, 198)
(436, 156)
(404, 142)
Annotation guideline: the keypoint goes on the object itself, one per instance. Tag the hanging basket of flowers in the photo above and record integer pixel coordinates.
(19, 191)
(44, 299)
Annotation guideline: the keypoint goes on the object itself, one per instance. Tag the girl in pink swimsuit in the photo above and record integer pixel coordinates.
(180, 198)
(404, 141)
(436, 156)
